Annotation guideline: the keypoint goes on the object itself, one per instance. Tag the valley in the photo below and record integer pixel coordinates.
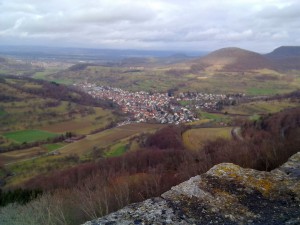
(71, 125)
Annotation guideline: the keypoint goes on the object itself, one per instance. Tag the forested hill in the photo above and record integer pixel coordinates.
(45, 89)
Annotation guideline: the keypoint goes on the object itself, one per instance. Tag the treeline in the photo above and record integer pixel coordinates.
(267, 143)
(80, 66)
(20, 196)
(93, 189)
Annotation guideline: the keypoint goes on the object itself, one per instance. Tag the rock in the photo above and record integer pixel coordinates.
(226, 194)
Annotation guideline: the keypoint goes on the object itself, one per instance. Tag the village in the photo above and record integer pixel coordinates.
(159, 107)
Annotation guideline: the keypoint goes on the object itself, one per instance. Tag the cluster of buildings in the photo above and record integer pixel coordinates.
(155, 107)
(142, 106)
(207, 101)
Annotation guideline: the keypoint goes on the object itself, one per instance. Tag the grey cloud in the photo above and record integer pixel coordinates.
(193, 24)
(113, 14)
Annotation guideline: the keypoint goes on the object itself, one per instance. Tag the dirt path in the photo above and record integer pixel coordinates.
(236, 133)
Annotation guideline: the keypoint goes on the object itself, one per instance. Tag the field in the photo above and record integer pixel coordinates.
(217, 118)
(194, 139)
(52, 147)
(17, 155)
(260, 107)
(117, 150)
(2, 112)
(30, 162)
(106, 138)
(256, 82)
(83, 124)
(29, 135)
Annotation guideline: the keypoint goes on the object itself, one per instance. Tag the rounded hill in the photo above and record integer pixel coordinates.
(284, 52)
(234, 59)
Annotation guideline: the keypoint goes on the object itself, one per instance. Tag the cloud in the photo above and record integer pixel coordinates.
(159, 24)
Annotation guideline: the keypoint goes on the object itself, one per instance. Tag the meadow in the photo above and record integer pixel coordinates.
(195, 139)
(29, 135)
(107, 138)
(261, 107)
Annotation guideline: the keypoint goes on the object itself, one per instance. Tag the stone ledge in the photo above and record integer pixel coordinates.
(226, 194)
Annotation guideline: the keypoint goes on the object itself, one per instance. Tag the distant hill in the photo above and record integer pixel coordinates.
(2, 59)
(233, 59)
(284, 52)
(285, 57)
(17, 67)
(154, 61)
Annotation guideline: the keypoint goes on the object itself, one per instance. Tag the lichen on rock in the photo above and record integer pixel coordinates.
(226, 194)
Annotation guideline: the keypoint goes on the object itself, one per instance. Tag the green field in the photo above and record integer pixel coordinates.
(28, 163)
(2, 112)
(194, 139)
(54, 146)
(29, 135)
(213, 117)
(260, 107)
(118, 150)
(261, 91)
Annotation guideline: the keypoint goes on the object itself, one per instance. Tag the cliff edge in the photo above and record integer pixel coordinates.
(226, 194)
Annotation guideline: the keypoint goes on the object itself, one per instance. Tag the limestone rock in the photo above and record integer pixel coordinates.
(226, 194)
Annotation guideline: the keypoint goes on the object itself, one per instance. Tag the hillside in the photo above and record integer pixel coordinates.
(19, 67)
(226, 194)
(30, 107)
(284, 52)
(285, 57)
(93, 189)
(233, 59)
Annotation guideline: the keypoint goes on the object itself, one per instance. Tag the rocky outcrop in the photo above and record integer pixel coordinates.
(226, 194)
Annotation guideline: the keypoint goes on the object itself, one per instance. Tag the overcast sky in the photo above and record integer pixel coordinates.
(259, 25)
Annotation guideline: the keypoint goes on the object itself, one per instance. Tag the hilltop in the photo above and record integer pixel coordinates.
(284, 52)
(233, 59)
(285, 57)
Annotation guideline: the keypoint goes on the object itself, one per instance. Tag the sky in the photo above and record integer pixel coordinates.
(200, 25)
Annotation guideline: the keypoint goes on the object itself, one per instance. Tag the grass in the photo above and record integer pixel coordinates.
(118, 150)
(260, 107)
(19, 155)
(214, 117)
(261, 91)
(83, 125)
(194, 139)
(43, 75)
(106, 138)
(254, 117)
(2, 112)
(184, 103)
(29, 135)
(54, 146)
(28, 169)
